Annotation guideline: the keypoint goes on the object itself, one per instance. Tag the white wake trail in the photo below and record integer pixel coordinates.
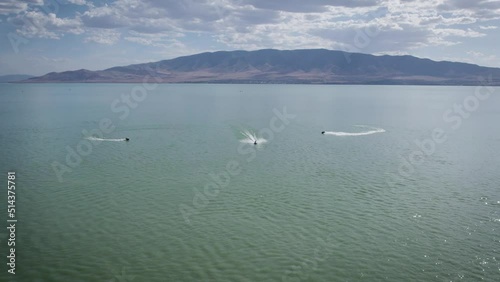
(373, 130)
(104, 139)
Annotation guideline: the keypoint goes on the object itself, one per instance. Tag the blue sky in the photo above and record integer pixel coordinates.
(41, 36)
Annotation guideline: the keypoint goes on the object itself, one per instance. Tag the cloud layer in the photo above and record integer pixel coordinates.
(371, 26)
(260, 23)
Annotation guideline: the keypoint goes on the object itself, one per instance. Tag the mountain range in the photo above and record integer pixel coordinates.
(312, 66)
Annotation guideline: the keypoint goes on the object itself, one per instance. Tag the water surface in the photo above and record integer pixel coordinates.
(298, 206)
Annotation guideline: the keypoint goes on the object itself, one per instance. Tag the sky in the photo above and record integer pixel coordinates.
(41, 36)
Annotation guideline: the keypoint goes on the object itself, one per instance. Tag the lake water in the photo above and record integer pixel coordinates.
(403, 186)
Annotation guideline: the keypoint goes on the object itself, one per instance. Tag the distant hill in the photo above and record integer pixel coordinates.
(14, 77)
(318, 66)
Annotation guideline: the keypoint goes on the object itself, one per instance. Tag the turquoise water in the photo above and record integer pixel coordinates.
(298, 206)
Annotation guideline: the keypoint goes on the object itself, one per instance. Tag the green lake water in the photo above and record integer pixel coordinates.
(403, 186)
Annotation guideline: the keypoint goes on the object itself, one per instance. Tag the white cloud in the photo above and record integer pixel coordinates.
(480, 58)
(78, 2)
(488, 27)
(447, 32)
(103, 36)
(38, 24)
(483, 9)
(400, 25)
(391, 29)
(104, 17)
(166, 40)
(14, 6)
(309, 6)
